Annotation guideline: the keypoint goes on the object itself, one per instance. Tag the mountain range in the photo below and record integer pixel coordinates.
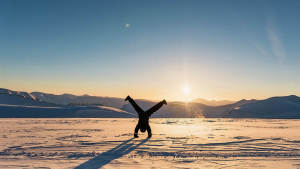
(213, 102)
(15, 104)
(37, 104)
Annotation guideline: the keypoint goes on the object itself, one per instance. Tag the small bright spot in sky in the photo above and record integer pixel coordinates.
(186, 90)
(127, 25)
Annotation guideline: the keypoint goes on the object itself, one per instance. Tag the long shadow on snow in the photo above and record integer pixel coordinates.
(106, 157)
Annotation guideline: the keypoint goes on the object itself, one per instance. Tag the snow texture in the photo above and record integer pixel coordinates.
(176, 143)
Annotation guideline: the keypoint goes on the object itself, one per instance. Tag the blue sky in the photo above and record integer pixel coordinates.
(151, 49)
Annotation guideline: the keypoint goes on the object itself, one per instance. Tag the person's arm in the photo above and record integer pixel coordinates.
(135, 106)
(156, 107)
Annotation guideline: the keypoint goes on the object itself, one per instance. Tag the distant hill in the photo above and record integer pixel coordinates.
(66, 99)
(274, 107)
(15, 104)
(20, 98)
(213, 102)
(21, 111)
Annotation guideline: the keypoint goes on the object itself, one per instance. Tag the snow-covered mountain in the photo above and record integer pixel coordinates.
(23, 104)
(66, 99)
(213, 102)
(20, 98)
(274, 107)
(21, 111)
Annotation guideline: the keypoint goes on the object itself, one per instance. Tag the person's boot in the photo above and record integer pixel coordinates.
(149, 135)
(127, 98)
(164, 102)
(136, 135)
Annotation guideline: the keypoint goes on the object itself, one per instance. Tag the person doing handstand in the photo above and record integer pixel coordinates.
(143, 123)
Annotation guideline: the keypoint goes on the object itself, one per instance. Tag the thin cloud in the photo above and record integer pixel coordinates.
(276, 43)
(261, 50)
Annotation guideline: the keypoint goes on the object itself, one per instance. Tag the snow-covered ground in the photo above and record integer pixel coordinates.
(176, 143)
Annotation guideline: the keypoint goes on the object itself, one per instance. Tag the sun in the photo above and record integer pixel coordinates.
(186, 90)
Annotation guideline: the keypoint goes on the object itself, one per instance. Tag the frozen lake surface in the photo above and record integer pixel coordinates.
(176, 143)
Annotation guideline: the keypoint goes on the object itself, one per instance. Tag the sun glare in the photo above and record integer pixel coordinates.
(186, 90)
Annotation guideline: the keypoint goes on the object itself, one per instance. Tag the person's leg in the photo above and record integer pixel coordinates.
(136, 130)
(149, 131)
(156, 107)
(133, 103)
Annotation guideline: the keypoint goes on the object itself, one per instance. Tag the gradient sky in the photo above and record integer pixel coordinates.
(151, 49)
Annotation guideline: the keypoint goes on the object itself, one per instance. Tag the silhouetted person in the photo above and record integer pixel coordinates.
(143, 123)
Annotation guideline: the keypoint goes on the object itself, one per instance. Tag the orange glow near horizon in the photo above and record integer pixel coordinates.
(186, 92)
